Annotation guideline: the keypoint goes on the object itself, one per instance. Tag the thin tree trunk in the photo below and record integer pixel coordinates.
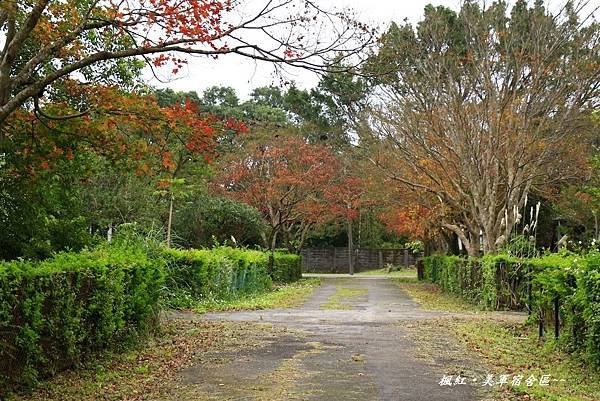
(350, 249)
(170, 222)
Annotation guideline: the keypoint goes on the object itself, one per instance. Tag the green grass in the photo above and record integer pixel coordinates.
(284, 296)
(405, 272)
(431, 297)
(342, 294)
(514, 349)
(505, 346)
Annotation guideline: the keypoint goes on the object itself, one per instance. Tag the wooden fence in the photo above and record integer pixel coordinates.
(335, 260)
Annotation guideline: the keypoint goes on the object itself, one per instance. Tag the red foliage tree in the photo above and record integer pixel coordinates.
(286, 180)
(127, 128)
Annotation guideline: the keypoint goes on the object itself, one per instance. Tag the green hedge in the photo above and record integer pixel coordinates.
(224, 273)
(219, 273)
(503, 282)
(286, 268)
(54, 313)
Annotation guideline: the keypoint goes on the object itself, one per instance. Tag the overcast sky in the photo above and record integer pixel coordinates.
(244, 74)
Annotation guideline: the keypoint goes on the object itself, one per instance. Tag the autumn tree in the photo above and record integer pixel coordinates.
(344, 199)
(111, 165)
(478, 108)
(47, 41)
(285, 179)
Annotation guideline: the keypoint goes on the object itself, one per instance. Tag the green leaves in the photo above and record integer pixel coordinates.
(491, 280)
(55, 313)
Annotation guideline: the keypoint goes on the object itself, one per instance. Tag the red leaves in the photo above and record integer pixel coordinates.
(289, 53)
(197, 21)
(125, 128)
(345, 196)
(167, 163)
(408, 220)
(286, 179)
(238, 126)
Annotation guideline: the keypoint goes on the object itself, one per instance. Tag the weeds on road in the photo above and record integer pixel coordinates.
(339, 300)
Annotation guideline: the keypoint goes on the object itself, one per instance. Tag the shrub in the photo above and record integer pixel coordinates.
(220, 273)
(55, 313)
(287, 267)
(501, 281)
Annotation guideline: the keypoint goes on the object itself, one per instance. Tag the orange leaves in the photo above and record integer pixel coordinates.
(345, 196)
(160, 60)
(408, 220)
(199, 21)
(126, 128)
(167, 163)
(238, 126)
(286, 179)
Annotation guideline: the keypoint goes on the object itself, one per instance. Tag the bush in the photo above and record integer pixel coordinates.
(220, 273)
(493, 281)
(287, 267)
(55, 313)
(504, 282)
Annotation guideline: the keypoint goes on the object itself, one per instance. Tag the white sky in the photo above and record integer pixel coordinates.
(244, 74)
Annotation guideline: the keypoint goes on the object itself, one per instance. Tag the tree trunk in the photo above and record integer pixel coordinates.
(350, 249)
(170, 221)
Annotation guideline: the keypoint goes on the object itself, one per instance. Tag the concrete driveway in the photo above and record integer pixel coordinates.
(353, 340)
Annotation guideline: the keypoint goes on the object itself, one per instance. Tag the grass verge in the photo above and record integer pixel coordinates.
(404, 272)
(283, 296)
(431, 297)
(514, 349)
(498, 344)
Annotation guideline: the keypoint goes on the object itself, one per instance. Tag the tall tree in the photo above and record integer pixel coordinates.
(479, 108)
(285, 179)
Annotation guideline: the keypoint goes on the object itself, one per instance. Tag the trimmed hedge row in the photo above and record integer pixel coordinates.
(216, 274)
(537, 284)
(55, 313)
(286, 267)
(495, 282)
(226, 272)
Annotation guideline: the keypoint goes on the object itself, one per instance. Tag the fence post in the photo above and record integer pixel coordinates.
(406, 258)
(420, 270)
(529, 290)
(556, 317)
(380, 259)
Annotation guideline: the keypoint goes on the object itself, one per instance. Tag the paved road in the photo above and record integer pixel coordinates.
(350, 341)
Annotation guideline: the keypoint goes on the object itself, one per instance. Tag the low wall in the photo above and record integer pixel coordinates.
(335, 260)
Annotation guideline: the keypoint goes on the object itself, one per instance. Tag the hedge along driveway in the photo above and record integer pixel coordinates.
(54, 314)
(537, 284)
